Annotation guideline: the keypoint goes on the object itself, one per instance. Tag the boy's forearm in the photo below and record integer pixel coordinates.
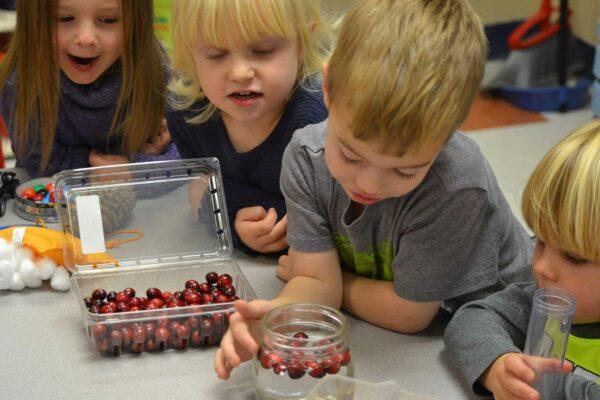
(310, 290)
(376, 301)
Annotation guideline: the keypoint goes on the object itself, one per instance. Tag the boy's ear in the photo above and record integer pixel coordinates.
(325, 91)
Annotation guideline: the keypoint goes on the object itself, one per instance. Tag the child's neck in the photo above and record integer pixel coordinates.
(246, 136)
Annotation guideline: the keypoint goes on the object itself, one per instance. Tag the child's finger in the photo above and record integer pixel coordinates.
(254, 309)
(222, 367)
(284, 273)
(520, 389)
(279, 229)
(256, 213)
(278, 245)
(517, 366)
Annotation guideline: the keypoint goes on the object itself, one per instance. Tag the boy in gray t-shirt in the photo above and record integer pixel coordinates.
(386, 188)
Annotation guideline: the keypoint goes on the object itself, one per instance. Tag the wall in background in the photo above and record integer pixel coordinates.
(585, 19)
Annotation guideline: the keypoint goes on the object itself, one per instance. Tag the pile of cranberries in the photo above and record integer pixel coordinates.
(164, 332)
(299, 364)
(216, 289)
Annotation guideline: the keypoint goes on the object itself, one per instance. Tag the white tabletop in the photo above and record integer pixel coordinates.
(46, 354)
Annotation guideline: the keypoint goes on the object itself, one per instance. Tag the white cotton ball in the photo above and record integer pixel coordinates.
(22, 254)
(7, 269)
(5, 283)
(6, 251)
(60, 279)
(30, 274)
(46, 267)
(17, 282)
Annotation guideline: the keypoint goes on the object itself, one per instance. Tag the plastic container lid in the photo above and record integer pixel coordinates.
(143, 215)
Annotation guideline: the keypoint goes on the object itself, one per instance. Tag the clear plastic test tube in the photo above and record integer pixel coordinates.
(547, 335)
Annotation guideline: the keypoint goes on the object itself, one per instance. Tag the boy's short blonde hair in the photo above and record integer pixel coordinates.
(407, 70)
(561, 201)
(217, 21)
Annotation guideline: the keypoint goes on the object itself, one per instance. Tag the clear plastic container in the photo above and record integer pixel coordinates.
(547, 335)
(337, 387)
(300, 344)
(149, 225)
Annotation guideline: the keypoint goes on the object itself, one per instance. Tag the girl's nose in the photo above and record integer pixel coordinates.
(86, 36)
(241, 72)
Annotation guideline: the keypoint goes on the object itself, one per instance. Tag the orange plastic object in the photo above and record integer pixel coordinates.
(46, 242)
(541, 20)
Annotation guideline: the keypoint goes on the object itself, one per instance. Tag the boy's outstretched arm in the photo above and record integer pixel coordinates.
(317, 279)
(376, 301)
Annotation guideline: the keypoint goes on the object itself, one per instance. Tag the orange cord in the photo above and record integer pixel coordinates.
(111, 244)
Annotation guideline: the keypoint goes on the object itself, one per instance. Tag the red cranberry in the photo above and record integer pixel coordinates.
(134, 302)
(295, 370)
(130, 292)
(162, 322)
(228, 290)
(330, 366)
(116, 341)
(158, 302)
(207, 298)
(134, 308)
(265, 361)
(151, 306)
(178, 295)
(184, 332)
(192, 284)
(111, 296)
(99, 294)
(144, 301)
(165, 296)
(99, 331)
(300, 335)
(206, 327)
(212, 277)
(94, 309)
(127, 334)
(172, 304)
(122, 307)
(150, 329)
(174, 327)
(87, 301)
(98, 303)
(150, 345)
(153, 293)
(193, 322)
(102, 345)
(204, 288)
(224, 280)
(122, 298)
(315, 369)
(196, 339)
(162, 338)
(109, 308)
(221, 299)
(279, 368)
(139, 337)
(342, 359)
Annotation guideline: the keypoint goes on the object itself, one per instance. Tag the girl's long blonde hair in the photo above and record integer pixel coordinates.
(250, 21)
(561, 201)
(141, 105)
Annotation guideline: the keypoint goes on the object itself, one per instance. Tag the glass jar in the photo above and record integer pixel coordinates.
(300, 344)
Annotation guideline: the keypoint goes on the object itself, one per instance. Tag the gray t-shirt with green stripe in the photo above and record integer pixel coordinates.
(453, 238)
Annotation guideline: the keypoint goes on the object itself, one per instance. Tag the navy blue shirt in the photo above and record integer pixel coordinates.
(250, 178)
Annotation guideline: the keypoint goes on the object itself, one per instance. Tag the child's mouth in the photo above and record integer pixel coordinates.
(245, 95)
(83, 63)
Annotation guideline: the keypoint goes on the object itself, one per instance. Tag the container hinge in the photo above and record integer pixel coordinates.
(218, 213)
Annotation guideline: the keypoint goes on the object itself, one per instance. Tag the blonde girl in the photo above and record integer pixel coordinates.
(248, 78)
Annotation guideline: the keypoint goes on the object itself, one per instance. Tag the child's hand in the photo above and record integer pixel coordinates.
(510, 376)
(285, 271)
(159, 142)
(98, 159)
(259, 229)
(240, 342)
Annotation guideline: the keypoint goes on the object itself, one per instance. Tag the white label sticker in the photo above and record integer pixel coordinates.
(18, 235)
(89, 218)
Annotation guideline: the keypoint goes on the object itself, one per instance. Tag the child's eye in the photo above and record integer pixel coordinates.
(572, 259)
(109, 20)
(402, 175)
(65, 18)
(347, 159)
(215, 55)
(263, 52)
